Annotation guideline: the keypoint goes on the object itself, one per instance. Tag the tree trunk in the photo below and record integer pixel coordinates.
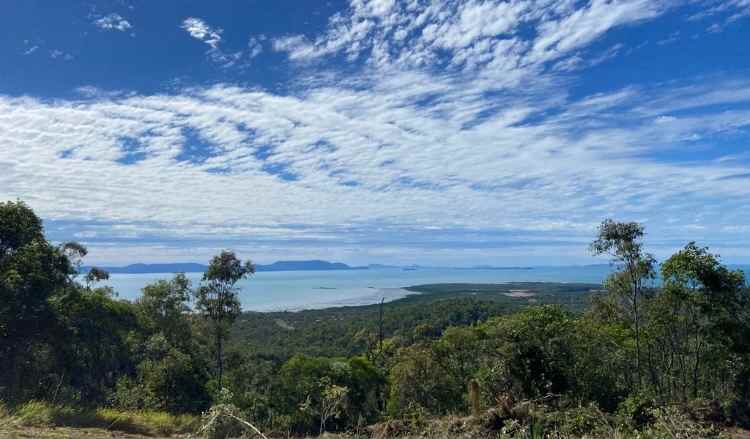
(474, 398)
(637, 322)
(219, 356)
(15, 373)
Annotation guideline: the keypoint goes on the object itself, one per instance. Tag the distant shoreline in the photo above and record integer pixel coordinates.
(312, 265)
(507, 292)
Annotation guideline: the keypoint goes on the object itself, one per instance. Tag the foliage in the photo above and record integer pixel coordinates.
(672, 423)
(353, 330)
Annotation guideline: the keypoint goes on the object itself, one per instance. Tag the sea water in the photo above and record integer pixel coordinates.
(297, 290)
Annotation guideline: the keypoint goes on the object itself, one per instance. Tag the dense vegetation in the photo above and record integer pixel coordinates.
(353, 330)
(523, 359)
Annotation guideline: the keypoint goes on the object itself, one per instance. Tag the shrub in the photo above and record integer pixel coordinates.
(637, 410)
(219, 422)
(672, 423)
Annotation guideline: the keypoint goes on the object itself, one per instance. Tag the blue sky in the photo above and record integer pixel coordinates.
(377, 131)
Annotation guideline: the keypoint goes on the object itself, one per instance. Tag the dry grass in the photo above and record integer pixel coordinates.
(37, 416)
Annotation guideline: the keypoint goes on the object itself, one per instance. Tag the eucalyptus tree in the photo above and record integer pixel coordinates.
(95, 275)
(622, 241)
(217, 298)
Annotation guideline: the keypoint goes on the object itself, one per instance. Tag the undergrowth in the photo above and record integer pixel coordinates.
(43, 414)
(519, 422)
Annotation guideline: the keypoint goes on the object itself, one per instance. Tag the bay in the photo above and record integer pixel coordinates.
(297, 290)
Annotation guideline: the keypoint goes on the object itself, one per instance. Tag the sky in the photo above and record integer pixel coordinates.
(438, 132)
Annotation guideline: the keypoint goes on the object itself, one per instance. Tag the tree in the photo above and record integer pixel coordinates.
(418, 383)
(163, 306)
(217, 298)
(622, 241)
(95, 275)
(536, 352)
(32, 271)
(92, 344)
(332, 401)
(171, 370)
(697, 319)
(19, 226)
(366, 385)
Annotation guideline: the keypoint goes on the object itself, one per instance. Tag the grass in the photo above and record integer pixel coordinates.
(148, 422)
(40, 414)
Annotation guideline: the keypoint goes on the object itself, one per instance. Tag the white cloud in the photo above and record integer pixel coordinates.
(255, 46)
(113, 22)
(59, 54)
(726, 11)
(468, 34)
(201, 31)
(369, 158)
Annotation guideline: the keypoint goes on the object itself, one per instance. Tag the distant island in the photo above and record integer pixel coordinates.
(189, 267)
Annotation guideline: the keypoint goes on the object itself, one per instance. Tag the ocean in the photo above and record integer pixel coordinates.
(297, 290)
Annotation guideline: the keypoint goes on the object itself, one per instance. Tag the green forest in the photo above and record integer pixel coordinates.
(662, 350)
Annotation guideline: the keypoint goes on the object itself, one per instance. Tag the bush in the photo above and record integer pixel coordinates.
(637, 410)
(672, 423)
(219, 422)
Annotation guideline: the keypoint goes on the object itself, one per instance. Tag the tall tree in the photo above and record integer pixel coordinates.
(217, 298)
(623, 243)
(32, 271)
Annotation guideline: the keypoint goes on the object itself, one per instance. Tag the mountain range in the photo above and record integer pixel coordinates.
(189, 267)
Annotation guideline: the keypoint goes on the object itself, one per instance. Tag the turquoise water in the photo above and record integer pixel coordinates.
(295, 290)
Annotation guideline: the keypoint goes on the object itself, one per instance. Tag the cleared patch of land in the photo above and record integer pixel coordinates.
(574, 295)
(520, 294)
